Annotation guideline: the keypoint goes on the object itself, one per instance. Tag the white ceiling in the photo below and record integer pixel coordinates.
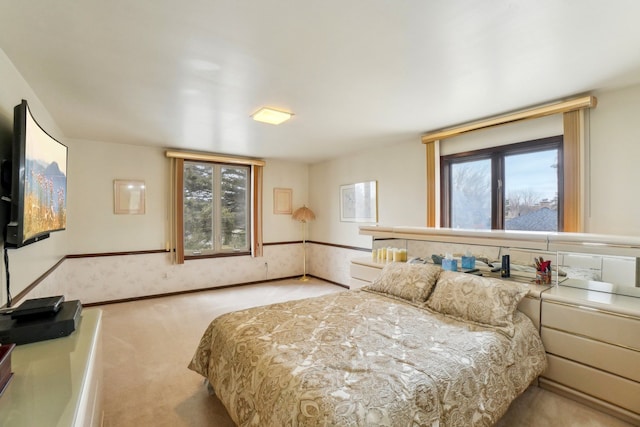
(357, 73)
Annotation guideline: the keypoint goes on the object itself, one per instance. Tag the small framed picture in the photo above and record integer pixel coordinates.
(128, 197)
(359, 202)
(282, 201)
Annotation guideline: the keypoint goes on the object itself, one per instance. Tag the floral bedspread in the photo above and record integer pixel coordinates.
(356, 358)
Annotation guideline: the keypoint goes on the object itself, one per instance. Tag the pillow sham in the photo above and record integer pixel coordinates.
(477, 299)
(411, 282)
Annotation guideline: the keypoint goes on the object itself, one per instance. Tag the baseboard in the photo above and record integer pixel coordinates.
(191, 291)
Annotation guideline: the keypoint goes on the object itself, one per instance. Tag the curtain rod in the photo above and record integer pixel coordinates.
(532, 113)
(214, 158)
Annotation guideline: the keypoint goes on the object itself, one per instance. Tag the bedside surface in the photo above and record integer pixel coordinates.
(595, 299)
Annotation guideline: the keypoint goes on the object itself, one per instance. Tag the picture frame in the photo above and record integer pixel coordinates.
(359, 202)
(128, 197)
(282, 201)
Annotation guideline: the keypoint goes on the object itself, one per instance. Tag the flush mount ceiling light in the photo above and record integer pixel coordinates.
(271, 116)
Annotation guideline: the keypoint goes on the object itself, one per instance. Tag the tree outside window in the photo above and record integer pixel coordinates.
(513, 187)
(216, 208)
(471, 194)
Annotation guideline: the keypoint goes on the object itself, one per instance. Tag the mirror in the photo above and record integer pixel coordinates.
(605, 273)
(487, 258)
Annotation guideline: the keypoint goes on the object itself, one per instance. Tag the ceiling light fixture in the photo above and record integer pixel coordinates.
(271, 116)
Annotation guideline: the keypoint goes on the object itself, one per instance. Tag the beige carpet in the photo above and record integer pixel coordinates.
(148, 344)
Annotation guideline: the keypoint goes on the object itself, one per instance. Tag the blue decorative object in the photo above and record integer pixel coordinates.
(468, 262)
(450, 264)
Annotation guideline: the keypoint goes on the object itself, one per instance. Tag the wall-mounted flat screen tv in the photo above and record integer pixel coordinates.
(38, 181)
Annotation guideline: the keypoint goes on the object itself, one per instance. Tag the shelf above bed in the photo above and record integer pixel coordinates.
(609, 260)
(599, 244)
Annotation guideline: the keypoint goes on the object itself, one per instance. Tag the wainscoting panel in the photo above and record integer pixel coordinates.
(332, 262)
(96, 279)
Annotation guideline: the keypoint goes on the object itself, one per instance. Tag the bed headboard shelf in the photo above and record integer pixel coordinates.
(604, 263)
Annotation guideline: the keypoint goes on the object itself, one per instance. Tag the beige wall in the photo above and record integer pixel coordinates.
(399, 170)
(284, 174)
(615, 171)
(28, 263)
(503, 135)
(94, 228)
(92, 225)
(611, 166)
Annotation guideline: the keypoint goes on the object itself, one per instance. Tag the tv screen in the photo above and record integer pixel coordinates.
(38, 181)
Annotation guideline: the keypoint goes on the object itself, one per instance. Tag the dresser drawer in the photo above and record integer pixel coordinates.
(616, 360)
(611, 328)
(357, 283)
(593, 382)
(363, 272)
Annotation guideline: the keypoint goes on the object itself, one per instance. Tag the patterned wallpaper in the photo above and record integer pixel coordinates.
(332, 263)
(110, 278)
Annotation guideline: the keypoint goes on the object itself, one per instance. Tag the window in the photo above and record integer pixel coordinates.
(216, 211)
(471, 194)
(512, 187)
(219, 209)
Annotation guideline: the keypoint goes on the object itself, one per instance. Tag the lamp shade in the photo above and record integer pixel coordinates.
(303, 214)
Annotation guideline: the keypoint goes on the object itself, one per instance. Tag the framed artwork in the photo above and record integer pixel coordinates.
(128, 197)
(282, 201)
(359, 202)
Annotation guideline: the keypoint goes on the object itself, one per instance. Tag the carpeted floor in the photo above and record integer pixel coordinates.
(148, 344)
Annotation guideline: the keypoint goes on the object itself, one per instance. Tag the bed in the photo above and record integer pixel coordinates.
(420, 346)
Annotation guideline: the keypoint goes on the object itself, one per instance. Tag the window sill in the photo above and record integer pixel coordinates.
(217, 255)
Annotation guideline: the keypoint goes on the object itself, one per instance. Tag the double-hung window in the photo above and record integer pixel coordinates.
(216, 208)
(511, 187)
